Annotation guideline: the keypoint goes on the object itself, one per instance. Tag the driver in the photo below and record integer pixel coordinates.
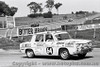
(49, 38)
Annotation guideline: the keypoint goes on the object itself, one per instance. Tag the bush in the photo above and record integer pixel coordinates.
(34, 15)
(47, 15)
(82, 12)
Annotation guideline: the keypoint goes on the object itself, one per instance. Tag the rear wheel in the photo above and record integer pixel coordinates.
(82, 55)
(30, 53)
(64, 54)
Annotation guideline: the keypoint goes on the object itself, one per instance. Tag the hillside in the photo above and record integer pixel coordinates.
(47, 21)
(51, 23)
(40, 20)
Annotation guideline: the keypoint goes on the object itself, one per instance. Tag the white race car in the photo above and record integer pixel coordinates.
(55, 43)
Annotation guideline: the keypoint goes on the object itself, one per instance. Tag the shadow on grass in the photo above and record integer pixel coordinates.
(56, 57)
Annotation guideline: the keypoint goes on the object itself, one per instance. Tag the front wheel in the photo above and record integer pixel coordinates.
(30, 53)
(64, 54)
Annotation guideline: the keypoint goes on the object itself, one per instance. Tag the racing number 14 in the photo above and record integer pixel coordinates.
(49, 50)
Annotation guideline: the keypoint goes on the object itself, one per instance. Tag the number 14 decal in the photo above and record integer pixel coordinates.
(49, 50)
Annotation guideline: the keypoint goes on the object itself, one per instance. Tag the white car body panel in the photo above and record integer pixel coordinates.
(44, 48)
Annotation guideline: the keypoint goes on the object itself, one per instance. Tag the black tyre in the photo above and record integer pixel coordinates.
(64, 54)
(30, 53)
(82, 55)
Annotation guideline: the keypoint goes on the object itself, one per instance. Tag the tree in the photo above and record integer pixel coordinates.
(57, 5)
(49, 5)
(34, 7)
(40, 8)
(13, 11)
(72, 13)
(5, 9)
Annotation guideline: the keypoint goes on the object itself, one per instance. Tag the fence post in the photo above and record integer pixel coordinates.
(94, 33)
(75, 34)
(11, 34)
(6, 35)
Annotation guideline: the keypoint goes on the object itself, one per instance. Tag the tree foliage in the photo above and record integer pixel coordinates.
(13, 10)
(35, 7)
(49, 5)
(81, 12)
(47, 15)
(6, 10)
(57, 5)
(38, 7)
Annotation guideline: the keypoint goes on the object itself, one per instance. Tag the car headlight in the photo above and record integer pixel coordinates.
(25, 45)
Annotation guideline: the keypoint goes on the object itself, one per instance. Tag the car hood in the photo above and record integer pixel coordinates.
(25, 42)
(76, 40)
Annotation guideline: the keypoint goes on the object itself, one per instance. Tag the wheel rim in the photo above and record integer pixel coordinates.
(64, 55)
(29, 53)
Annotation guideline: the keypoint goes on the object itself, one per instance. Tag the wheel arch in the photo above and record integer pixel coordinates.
(28, 49)
(60, 49)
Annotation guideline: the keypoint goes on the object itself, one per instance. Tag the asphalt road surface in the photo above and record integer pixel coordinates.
(17, 59)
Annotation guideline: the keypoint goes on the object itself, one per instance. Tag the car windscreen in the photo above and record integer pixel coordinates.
(63, 36)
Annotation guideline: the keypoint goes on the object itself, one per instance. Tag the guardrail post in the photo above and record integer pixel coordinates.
(75, 34)
(11, 34)
(94, 33)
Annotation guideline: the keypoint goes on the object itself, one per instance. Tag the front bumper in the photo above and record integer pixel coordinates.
(83, 50)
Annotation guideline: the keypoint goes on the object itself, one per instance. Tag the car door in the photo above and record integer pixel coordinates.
(50, 48)
(39, 41)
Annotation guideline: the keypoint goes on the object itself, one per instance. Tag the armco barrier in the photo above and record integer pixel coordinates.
(89, 26)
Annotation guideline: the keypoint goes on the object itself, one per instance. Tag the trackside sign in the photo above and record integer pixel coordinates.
(10, 21)
(24, 31)
(90, 26)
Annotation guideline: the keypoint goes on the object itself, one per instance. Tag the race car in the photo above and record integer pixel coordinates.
(55, 43)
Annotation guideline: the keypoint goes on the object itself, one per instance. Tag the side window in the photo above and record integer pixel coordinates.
(39, 38)
(63, 36)
(49, 37)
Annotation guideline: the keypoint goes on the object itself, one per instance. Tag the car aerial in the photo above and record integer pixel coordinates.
(55, 43)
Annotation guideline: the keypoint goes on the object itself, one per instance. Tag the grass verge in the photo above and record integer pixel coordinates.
(8, 44)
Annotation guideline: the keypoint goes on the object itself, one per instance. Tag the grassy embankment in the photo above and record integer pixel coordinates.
(8, 44)
(89, 34)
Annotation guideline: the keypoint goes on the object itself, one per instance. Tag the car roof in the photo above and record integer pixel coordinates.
(52, 32)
